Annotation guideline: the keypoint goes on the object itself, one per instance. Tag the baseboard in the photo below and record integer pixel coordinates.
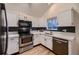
(15, 53)
(37, 45)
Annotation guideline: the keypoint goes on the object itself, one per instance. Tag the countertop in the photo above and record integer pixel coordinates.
(12, 34)
(63, 35)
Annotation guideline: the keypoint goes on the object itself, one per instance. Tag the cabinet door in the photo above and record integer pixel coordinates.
(42, 23)
(36, 39)
(13, 45)
(12, 19)
(49, 42)
(42, 39)
(65, 18)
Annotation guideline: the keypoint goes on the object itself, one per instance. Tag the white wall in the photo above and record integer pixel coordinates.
(57, 8)
(13, 15)
(40, 21)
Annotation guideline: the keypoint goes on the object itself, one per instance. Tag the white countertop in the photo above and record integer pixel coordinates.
(63, 35)
(10, 36)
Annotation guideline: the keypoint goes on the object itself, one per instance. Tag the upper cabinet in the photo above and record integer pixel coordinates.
(12, 19)
(42, 23)
(66, 18)
(38, 22)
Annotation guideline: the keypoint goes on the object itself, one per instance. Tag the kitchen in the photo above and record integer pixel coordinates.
(53, 27)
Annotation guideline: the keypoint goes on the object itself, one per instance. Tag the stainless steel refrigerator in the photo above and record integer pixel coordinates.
(3, 30)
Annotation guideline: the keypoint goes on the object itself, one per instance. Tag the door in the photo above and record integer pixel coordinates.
(13, 45)
(48, 42)
(65, 18)
(36, 39)
(12, 19)
(3, 20)
(0, 32)
(42, 39)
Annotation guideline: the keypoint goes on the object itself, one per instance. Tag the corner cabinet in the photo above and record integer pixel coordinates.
(66, 18)
(36, 39)
(43, 39)
(49, 42)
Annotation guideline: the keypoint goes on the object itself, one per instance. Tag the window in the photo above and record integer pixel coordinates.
(52, 24)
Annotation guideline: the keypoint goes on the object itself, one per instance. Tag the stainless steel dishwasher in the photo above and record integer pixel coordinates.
(60, 46)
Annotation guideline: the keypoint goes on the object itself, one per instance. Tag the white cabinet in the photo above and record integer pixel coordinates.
(35, 23)
(13, 45)
(42, 23)
(36, 39)
(42, 39)
(38, 23)
(65, 18)
(48, 42)
(12, 19)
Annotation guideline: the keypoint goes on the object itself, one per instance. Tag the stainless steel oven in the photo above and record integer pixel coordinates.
(26, 43)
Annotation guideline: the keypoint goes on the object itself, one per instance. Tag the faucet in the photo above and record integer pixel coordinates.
(50, 32)
(64, 30)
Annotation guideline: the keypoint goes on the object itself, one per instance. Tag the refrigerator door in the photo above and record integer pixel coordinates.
(1, 50)
(3, 30)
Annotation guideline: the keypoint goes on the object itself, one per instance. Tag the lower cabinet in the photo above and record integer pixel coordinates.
(36, 39)
(44, 40)
(48, 42)
(13, 45)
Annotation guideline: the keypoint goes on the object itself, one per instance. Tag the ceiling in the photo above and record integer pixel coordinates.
(33, 9)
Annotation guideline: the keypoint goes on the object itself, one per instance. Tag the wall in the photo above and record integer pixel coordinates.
(57, 8)
(14, 14)
(40, 21)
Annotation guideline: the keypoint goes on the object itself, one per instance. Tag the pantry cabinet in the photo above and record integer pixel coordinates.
(66, 18)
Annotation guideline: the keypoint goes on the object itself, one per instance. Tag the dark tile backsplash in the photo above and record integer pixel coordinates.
(13, 28)
(67, 28)
(38, 28)
(10, 29)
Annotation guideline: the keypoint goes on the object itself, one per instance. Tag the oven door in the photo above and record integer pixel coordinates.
(26, 40)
